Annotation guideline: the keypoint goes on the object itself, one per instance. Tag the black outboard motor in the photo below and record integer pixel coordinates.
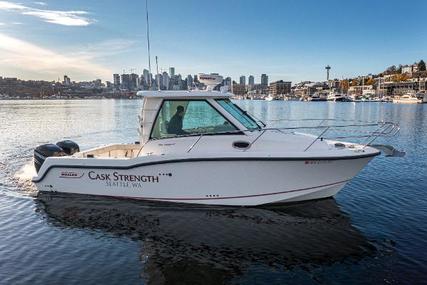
(62, 148)
(69, 146)
(44, 151)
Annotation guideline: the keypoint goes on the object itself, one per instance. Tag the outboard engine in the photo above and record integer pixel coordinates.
(44, 151)
(69, 146)
(62, 148)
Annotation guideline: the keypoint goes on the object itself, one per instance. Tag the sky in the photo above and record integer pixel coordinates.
(286, 39)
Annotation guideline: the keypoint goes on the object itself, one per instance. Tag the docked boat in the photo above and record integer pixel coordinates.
(269, 98)
(422, 97)
(336, 97)
(407, 99)
(316, 97)
(199, 147)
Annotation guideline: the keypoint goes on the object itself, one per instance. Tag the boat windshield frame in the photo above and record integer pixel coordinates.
(239, 114)
(237, 131)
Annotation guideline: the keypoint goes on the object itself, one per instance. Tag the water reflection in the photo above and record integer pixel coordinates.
(213, 245)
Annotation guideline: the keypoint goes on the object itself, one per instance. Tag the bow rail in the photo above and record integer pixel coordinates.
(352, 130)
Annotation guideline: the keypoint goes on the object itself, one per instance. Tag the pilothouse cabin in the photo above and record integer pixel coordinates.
(168, 114)
(170, 121)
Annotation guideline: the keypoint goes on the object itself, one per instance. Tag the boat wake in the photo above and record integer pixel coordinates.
(23, 176)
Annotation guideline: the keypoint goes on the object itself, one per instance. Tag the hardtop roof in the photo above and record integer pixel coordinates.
(191, 94)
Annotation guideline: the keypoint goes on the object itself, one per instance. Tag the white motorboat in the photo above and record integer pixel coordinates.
(199, 147)
(269, 98)
(337, 97)
(332, 97)
(422, 97)
(316, 97)
(407, 98)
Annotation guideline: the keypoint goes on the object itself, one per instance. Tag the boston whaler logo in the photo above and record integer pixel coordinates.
(70, 174)
(116, 179)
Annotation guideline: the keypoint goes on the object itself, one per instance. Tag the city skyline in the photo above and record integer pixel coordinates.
(170, 81)
(291, 41)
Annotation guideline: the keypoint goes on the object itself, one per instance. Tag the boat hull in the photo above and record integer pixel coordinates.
(215, 182)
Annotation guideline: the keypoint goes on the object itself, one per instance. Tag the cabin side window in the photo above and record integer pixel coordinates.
(189, 117)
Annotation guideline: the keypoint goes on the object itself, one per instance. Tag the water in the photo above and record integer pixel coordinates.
(373, 232)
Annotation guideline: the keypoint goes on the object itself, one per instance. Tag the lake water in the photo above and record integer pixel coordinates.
(373, 232)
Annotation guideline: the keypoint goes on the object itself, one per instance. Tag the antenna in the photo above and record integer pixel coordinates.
(148, 41)
(158, 76)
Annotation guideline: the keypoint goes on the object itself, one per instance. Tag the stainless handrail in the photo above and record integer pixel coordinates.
(250, 144)
(140, 149)
(318, 137)
(384, 129)
(320, 119)
(192, 146)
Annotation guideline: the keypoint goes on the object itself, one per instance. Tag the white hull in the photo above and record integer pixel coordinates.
(408, 101)
(202, 181)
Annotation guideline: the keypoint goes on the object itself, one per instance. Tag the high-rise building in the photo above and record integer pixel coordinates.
(180, 82)
(172, 71)
(242, 80)
(146, 75)
(125, 79)
(264, 79)
(280, 88)
(116, 80)
(251, 80)
(189, 81)
(166, 81)
(239, 89)
(67, 80)
(158, 82)
(134, 81)
(227, 82)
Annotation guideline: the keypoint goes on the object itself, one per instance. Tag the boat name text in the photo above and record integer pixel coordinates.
(115, 176)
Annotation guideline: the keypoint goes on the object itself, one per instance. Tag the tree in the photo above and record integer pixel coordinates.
(370, 81)
(421, 65)
(404, 77)
(400, 77)
(344, 84)
(391, 70)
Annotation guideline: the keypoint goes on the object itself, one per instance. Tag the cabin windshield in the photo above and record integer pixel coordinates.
(188, 118)
(239, 114)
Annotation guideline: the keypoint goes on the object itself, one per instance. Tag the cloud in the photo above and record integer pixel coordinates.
(104, 49)
(65, 18)
(71, 18)
(41, 3)
(38, 62)
(8, 24)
